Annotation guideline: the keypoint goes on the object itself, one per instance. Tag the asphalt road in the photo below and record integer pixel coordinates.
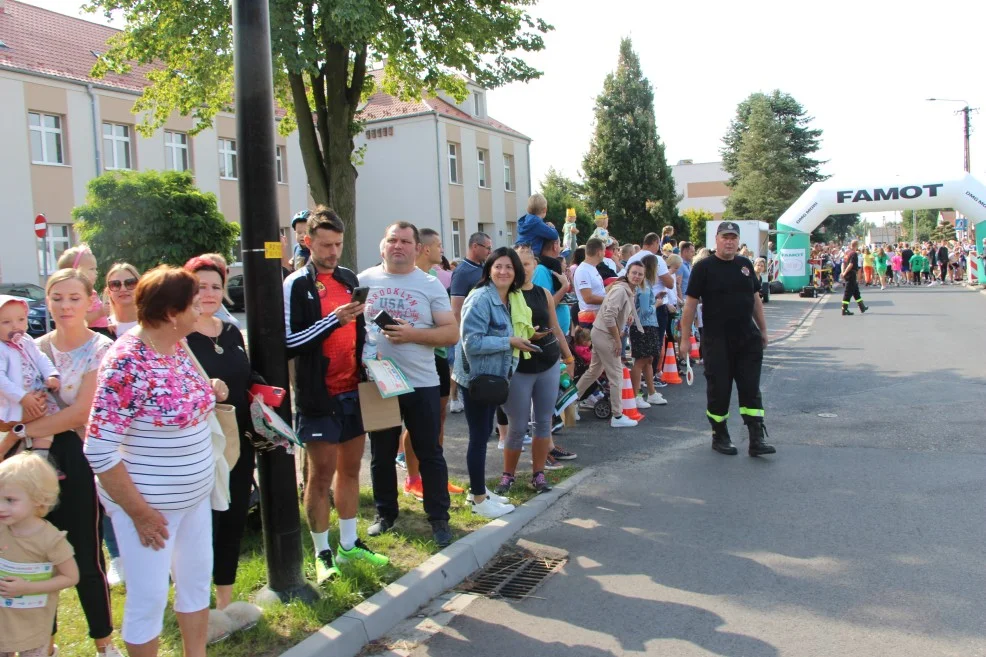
(864, 535)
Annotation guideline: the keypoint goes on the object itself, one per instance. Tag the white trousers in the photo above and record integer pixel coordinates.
(186, 557)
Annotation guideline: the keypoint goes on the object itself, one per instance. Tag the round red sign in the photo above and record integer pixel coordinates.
(40, 226)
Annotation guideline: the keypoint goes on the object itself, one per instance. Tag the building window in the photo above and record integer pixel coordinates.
(175, 151)
(511, 232)
(479, 104)
(482, 157)
(116, 146)
(456, 238)
(485, 228)
(279, 160)
(59, 239)
(453, 163)
(227, 159)
(508, 172)
(46, 138)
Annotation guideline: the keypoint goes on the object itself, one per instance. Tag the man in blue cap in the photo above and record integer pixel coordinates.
(734, 337)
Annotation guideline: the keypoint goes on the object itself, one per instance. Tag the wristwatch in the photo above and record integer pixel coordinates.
(19, 430)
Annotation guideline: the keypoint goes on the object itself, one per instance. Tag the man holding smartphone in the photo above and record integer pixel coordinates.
(422, 320)
(325, 329)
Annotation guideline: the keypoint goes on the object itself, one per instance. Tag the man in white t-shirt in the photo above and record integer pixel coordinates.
(589, 288)
(420, 308)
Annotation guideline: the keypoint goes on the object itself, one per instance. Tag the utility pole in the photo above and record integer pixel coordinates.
(965, 133)
(263, 294)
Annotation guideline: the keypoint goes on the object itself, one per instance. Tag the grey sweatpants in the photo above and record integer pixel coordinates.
(604, 359)
(540, 389)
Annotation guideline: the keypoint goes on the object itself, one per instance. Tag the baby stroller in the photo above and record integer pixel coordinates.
(598, 392)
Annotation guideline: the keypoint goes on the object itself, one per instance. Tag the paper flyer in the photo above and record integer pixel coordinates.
(32, 572)
(389, 378)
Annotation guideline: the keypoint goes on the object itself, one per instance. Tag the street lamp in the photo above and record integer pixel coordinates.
(965, 133)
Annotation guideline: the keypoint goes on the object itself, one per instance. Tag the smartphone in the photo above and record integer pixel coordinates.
(271, 395)
(383, 319)
(535, 348)
(360, 294)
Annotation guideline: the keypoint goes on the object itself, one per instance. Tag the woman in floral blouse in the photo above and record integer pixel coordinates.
(149, 444)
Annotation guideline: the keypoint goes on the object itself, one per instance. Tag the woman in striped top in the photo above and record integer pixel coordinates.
(149, 444)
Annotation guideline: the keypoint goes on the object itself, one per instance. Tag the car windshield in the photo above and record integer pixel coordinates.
(26, 291)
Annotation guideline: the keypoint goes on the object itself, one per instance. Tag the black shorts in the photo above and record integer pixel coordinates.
(335, 429)
(646, 344)
(444, 376)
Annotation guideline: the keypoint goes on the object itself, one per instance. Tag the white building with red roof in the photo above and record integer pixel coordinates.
(439, 164)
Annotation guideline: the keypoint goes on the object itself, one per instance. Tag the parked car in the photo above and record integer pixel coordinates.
(234, 290)
(35, 296)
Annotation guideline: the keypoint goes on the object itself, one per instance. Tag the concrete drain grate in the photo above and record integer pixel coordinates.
(514, 576)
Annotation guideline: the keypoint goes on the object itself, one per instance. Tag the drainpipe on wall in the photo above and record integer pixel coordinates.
(438, 161)
(530, 187)
(95, 129)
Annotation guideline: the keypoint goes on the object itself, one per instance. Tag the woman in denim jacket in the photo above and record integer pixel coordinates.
(487, 346)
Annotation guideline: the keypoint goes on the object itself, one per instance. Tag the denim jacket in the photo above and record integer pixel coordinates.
(646, 305)
(485, 332)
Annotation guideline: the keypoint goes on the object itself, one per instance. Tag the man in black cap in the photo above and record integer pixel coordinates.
(734, 337)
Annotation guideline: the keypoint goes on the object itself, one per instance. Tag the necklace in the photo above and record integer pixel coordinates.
(215, 340)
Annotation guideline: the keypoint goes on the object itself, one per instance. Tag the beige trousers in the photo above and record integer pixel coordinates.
(604, 359)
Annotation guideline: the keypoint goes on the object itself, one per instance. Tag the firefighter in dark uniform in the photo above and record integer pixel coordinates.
(734, 337)
(849, 271)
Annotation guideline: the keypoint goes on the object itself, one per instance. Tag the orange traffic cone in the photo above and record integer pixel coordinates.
(629, 399)
(693, 354)
(670, 372)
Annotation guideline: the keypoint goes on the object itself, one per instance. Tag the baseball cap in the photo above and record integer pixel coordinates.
(300, 216)
(728, 227)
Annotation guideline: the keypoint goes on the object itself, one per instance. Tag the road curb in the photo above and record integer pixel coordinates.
(801, 321)
(347, 635)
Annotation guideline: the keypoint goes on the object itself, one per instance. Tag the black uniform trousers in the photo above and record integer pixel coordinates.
(731, 358)
(852, 291)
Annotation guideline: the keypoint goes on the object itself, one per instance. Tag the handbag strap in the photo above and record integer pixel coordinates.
(195, 361)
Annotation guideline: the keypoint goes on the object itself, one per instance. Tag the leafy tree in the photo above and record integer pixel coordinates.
(563, 193)
(321, 54)
(837, 227)
(767, 174)
(927, 223)
(148, 218)
(626, 170)
(696, 225)
(802, 140)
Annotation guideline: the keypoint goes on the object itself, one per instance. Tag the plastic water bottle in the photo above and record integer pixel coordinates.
(370, 346)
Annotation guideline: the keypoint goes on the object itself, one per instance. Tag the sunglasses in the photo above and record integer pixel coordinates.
(129, 283)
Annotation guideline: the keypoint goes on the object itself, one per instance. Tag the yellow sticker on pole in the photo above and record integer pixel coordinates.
(272, 250)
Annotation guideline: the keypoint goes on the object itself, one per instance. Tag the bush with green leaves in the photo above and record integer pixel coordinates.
(148, 218)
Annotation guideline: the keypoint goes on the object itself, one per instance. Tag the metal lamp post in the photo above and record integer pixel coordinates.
(262, 287)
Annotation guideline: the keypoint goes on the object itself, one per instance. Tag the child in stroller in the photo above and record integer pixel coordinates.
(596, 397)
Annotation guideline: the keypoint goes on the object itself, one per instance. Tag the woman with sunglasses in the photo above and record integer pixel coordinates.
(121, 281)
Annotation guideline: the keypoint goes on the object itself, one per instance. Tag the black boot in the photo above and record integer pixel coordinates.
(862, 307)
(720, 440)
(757, 445)
(846, 311)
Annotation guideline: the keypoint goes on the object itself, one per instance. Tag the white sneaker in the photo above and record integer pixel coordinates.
(587, 404)
(489, 508)
(641, 403)
(455, 406)
(111, 651)
(657, 399)
(114, 574)
(527, 439)
(622, 421)
(578, 418)
(490, 495)
(499, 445)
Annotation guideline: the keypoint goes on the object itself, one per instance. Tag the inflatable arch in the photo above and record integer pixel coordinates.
(843, 196)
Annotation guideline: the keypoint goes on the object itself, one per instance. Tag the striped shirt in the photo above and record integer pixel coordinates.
(151, 412)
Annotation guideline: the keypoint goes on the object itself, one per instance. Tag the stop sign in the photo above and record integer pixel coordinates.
(40, 226)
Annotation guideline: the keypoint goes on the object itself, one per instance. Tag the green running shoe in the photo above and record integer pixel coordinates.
(360, 551)
(324, 567)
